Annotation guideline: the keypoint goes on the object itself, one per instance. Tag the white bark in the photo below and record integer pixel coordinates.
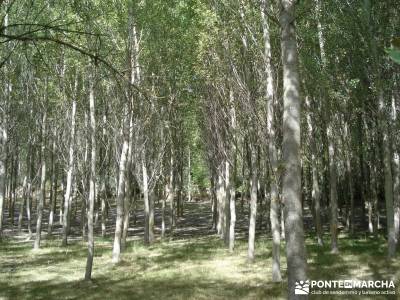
(272, 152)
(291, 186)
(92, 179)
(42, 193)
(70, 175)
(120, 202)
(253, 205)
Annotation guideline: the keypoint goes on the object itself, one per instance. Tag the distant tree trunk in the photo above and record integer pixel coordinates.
(92, 178)
(146, 200)
(13, 185)
(221, 202)
(396, 171)
(3, 141)
(120, 200)
(61, 209)
(53, 187)
(272, 152)
(350, 184)
(104, 190)
(291, 181)
(333, 192)
(214, 204)
(151, 215)
(21, 208)
(227, 199)
(127, 205)
(163, 204)
(31, 172)
(42, 193)
(232, 204)
(253, 204)
(3, 137)
(331, 140)
(396, 194)
(232, 185)
(388, 178)
(189, 187)
(171, 194)
(70, 175)
(315, 193)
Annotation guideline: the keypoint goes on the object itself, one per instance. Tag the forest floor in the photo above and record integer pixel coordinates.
(193, 264)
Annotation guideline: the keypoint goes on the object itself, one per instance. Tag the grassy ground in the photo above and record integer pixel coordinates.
(187, 267)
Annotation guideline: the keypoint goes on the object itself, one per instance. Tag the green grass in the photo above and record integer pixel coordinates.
(194, 268)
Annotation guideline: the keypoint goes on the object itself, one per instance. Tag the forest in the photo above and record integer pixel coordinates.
(199, 149)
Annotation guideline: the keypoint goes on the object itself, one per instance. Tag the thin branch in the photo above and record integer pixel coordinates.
(94, 57)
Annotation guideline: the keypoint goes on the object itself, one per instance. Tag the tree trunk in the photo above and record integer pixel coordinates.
(70, 175)
(388, 179)
(145, 190)
(189, 179)
(232, 185)
(120, 201)
(272, 152)
(315, 193)
(127, 205)
(253, 204)
(151, 216)
(171, 194)
(42, 193)
(331, 144)
(53, 187)
(291, 185)
(92, 178)
(128, 185)
(21, 208)
(227, 199)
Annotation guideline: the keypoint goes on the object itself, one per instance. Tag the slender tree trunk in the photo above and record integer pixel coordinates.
(315, 193)
(61, 209)
(2, 177)
(291, 185)
(23, 198)
(92, 178)
(128, 183)
(227, 199)
(120, 201)
(189, 179)
(221, 202)
(163, 203)
(13, 183)
(171, 194)
(232, 185)
(53, 187)
(272, 152)
(151, 216)
(3, 140)
(42, 193)
(31, 173)
(127, 204)
(331, 145)
(396, 195)
(70, 175)
(214, 204)
(253, 204)
(146, 201)
(388, 178)
(104, 190)
(396, 172)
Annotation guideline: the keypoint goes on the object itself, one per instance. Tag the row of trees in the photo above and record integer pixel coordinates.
(291, 106)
